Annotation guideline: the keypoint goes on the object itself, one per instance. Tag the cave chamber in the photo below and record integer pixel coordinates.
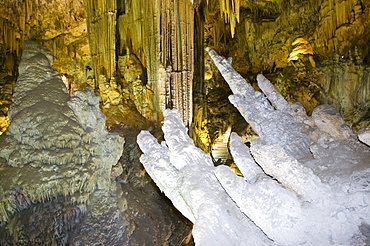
(121, 64)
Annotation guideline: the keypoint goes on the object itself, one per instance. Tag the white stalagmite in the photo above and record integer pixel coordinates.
(275, 98)
(244, 160)
(273, 126)
(55, 144)
(277, 211)
(306, 179)
(186, 175)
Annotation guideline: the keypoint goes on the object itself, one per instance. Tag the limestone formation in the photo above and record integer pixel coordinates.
(313, 51)
(307, 183)
(56, 148)
(185, 174)
(260, 114)
(118, 107)
(59, 25)
(305, 46)
(60, 177)
(161, 35)
(364, 135)
(131, 69)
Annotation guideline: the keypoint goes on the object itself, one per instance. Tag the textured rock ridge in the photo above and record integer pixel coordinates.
(56, 149)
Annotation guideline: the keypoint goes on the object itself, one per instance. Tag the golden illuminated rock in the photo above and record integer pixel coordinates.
(4, 123)
(167, 37)
(101, 24)
(300, 46)
(133, 75)
(161, 35)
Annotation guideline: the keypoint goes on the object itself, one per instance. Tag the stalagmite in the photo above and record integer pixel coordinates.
(43, 153)
(185, 174)
(244, 160)
(271, 125)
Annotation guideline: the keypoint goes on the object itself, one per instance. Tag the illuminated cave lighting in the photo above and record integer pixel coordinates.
(220, 146)
(65, 81)
(4, 123)
(300, 46)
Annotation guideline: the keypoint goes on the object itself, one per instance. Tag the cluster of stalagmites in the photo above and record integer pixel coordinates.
(305, 179)
(56, 145)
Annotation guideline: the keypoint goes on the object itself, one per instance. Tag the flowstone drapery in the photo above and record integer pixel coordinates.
(305, 179)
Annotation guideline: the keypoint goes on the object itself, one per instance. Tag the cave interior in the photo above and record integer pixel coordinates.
(142, 57)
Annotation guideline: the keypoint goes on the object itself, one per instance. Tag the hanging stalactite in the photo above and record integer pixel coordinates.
(161, 35)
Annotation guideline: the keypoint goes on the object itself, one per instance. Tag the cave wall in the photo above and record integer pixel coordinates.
(313, 51)
(161, 35)
(145, 56)
(265, 30)
(59, 25)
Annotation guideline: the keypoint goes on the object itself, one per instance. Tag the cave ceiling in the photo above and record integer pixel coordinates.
(145, 56)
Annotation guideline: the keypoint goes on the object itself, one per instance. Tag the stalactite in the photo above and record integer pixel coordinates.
(230, 12)
(161, 34)
(182, 51)
(330, 26)
(332, 16)
(101, 24)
